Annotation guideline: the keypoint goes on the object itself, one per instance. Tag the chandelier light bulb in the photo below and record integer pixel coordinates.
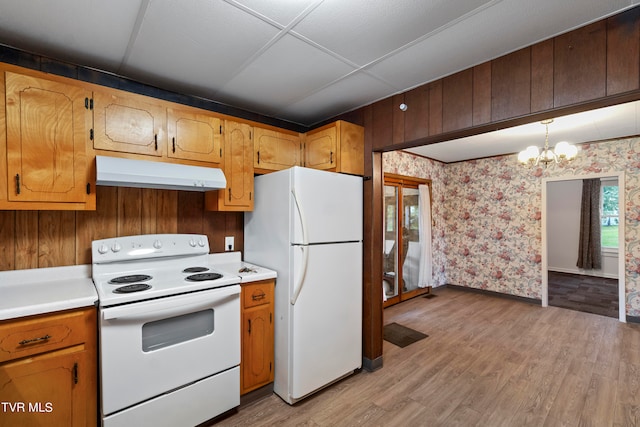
(564, 150)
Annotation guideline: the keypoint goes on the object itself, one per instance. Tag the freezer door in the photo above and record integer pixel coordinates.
(326, 320)
(326, 206)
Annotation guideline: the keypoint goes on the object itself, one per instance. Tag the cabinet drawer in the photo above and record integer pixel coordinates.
(38, 334)
(255, 294)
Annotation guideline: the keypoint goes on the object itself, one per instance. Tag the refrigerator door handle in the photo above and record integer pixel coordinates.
(303, 273)
(305, 252)
(303, 222)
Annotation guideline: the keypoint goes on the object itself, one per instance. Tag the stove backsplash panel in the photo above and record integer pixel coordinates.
(37, 239)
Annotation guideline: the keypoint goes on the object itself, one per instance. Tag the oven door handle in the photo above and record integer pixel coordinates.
(172, 306)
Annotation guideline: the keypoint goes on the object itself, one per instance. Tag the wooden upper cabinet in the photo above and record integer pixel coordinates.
(274, 150)
(194, 135)
(338, 147)
(320, 148)
(129, 123)
(238, 170)
(48, 125)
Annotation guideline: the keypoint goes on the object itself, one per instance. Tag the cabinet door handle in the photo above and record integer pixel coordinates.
(75, 373)
(173, 140)
(331, 157)
(258, 157)
(229, 194)
(249, 325)
(155, 140)
(258, 297)
(32, 340)
(17, 183)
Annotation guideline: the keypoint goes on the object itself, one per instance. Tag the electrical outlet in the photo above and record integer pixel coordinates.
(228, 243)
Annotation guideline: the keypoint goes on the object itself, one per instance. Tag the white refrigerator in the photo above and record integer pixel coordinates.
(307, 225)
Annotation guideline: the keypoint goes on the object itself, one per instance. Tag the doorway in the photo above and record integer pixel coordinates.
(402, 251)
(549, 231)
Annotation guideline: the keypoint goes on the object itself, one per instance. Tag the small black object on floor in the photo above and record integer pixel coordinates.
(401, 335)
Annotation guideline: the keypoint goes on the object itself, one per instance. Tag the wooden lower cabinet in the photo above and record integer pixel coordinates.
(256, 364)
(48, 370)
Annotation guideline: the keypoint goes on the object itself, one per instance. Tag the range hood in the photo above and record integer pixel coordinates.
(119, 172)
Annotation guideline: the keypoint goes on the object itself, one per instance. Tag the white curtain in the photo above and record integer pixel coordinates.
(426, 266)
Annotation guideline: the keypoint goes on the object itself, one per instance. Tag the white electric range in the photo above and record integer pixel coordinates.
(169, 331)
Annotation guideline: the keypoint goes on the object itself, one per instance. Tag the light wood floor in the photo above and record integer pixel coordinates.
(488, 361)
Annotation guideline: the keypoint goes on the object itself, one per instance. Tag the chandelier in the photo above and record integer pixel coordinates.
(563, 151)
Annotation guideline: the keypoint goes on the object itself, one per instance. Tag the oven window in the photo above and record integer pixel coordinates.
(174, 330)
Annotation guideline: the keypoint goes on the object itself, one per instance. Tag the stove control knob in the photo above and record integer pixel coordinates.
(192, 243)
(157, 244)
(103, 249)
(201, 243)
(116, 247)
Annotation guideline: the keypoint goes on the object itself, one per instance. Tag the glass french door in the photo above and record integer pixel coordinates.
(401, 260)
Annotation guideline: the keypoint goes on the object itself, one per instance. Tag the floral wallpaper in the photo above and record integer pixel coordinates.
(488, 216)
(402, 163)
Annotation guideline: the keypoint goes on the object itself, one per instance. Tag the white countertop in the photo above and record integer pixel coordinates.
(45, 290)
(231, 263)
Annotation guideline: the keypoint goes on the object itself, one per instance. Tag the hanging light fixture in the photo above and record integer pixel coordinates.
(563, 151)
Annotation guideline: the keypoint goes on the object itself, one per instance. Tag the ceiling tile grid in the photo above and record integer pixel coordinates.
(298, 60)
(292, 69)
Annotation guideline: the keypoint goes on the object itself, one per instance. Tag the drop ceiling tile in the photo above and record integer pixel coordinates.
(345, 95)
(86, 32)
(195, 44)
(363, 30)
(288, 71)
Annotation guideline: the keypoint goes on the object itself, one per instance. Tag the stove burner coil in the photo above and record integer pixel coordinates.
(136, 287)
(195, 270)
(129, 279)
(203, 276)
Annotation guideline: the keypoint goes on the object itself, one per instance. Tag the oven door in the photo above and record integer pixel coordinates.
(151, 347)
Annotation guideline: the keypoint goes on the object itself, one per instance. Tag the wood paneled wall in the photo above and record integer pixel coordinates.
(35, 239)
(591, 67)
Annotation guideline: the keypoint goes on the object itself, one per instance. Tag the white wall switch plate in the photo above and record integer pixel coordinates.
(228, 243)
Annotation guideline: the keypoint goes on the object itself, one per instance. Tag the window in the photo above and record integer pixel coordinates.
(609, 214)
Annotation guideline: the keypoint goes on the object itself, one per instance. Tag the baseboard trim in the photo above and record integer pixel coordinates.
(252, 396)
(494, 293)
(633, 319)
(371, 365)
